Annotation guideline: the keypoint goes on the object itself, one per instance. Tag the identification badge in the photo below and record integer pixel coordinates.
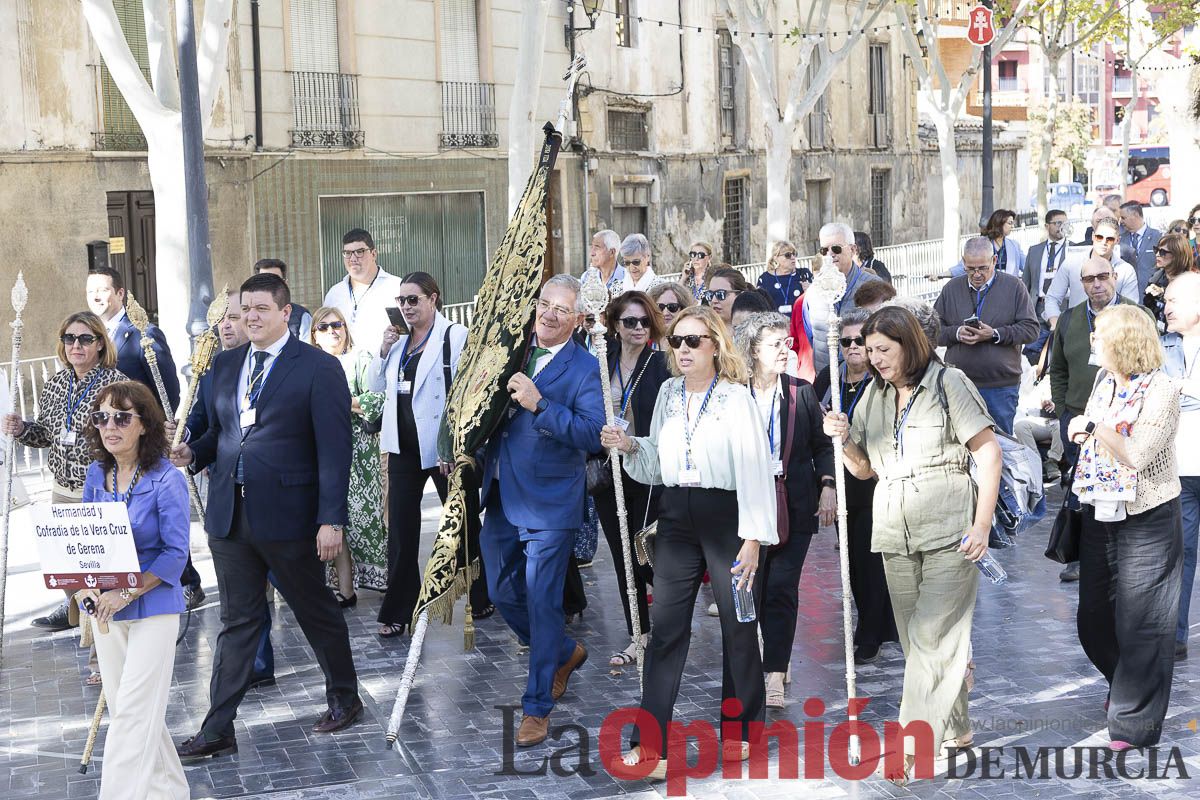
(776, 467)
(689, 477)
(785, 309)
(67, 438)
(248, 417)
(621, 423)
(405, 387)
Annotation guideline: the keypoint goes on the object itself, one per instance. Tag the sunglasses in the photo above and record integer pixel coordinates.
(1193, 220)
(633, 323)
(719, 294)
(787, 255)
(1180, 229)
(853, 341)
(837, 250)
(633, 262)
(674, 308)
(120, 418)
(697, 254)
(692, 341)
(1099, 238)
(410, 300)
(337, 325)
(1090, 279)
(1162, 251)
(85, 339)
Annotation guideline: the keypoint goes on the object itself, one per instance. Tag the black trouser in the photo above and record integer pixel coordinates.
(637, 495)
(1129, 577)
(242, 562)
(780, 582)
(695, 527)
(406, 487)
(868, 584)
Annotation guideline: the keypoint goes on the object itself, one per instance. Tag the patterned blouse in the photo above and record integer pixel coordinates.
(62, 393)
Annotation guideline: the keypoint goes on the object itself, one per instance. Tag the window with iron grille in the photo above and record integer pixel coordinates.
(324, 100)
(627, 130)
(736, 238)
(727, 78)
(624, 23)
(881, 207)
(880, 133)
(816, 117)
(120, 128)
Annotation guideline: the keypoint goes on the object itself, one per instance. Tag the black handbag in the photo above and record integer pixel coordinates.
(1063, 545)
(599, 474)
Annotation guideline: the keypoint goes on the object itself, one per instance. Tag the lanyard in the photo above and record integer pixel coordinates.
(254, 388)
(787, 293)
(898, 430)
(73, 401)
(688, 430)
(354, 299)
(627, 394)
(404, 355)
(859, 391)
(981, 298)
(855, 275)
(770, 418)
(1001, 253)
(128, 495)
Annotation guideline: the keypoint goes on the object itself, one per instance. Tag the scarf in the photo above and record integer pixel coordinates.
(1100, 479)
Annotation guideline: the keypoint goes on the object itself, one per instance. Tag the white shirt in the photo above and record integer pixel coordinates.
(273, 351)
(771, 404)
(729, 448)
(644, 283)
(111, 325)
(365, 308)
(545, 358)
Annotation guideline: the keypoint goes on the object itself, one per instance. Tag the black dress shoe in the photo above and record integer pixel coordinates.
(55, 621)
(864, 654)
(197, 748)
(334, 719)
(259, 681)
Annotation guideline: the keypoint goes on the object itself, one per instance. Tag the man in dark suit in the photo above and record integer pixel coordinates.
(1138, 243)
(533, 492)
(1041, 262)
(278, 452)
(106, 298)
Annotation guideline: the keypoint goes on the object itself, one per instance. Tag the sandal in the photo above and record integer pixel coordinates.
(625, 657)
(93, 679)
(346, 602)
(632, 759)
(902, 778)
(391, 630)
(775, 696)
(484, 612)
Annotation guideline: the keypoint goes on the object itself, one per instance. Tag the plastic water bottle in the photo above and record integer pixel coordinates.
(743, 600)
(990, 567)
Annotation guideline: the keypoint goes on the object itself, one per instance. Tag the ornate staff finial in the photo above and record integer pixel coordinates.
(830, 283)
(594, 293)
(20, 296)
(137, 315)
(219, 306)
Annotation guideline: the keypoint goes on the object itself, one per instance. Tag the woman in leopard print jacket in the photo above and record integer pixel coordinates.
(66, 403)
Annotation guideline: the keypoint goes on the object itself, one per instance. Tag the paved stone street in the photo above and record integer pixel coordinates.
(1034, 687)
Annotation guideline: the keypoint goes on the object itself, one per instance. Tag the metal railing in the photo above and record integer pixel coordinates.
(325, 110)
(469, 115)
(34, 373)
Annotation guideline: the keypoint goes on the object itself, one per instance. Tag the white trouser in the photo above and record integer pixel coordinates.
(136, 661)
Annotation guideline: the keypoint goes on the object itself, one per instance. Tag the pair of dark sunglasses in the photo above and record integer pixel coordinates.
(337, 325)
(835, 249)
(697, 254)
(1162, 251)
(633, 323)
(410, 300)
(719, 294)
(86, 339)
(120, 418)
(674, 308)
(1099, 238)
(692, 341)
(633, 262)
(1193, 220)
(851, 341)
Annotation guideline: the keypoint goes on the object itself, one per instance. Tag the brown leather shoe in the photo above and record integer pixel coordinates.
(564, 672)
(533, 730)
(334, 719)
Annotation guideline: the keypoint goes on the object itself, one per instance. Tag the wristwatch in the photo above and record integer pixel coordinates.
(996, 336)
(337, 528)
(828, 483)
(542, 405)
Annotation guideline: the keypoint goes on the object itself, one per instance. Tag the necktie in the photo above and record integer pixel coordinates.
(531, 367)
(1137, 242)
(253, 390)
(1050, 260)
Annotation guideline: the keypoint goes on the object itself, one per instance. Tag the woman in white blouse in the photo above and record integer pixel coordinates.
(708, 448)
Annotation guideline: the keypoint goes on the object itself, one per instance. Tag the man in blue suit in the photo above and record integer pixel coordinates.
(106, 298)
(1138, 243)
(533, 494)
(278, 452)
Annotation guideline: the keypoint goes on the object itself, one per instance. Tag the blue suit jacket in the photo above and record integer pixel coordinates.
(296, 457)
(539, 459)
(1143, 259)
(131, 359)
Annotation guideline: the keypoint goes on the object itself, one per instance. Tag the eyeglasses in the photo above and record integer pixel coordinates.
(559, 311)
(1096, 237)
(719, 294)
(337, 325)
(1162, 251)
(674, 308)
(978, 270)
(411, 299)
(85, 339)
(692, 341)
(853, 341)
(787, 255)
(1090, 279)
(120, 418)
(837, 250)
(633, 262)
(355, 255)
(697, 254)
(633, 323)
(780, 344)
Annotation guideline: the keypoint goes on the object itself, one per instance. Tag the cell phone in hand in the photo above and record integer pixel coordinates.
(397, 319)
(973, 322)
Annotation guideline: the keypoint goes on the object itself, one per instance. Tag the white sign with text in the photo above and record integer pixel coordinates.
(86, 545)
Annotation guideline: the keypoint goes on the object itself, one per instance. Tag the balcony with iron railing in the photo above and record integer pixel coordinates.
(325, 111)
(468, 115)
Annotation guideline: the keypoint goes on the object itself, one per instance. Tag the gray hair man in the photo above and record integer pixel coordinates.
(635, 257)
(603, 256)
(987, 317)
(837, 248)
(1067, 290)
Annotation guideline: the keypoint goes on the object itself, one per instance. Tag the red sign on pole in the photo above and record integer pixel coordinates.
(981, 27)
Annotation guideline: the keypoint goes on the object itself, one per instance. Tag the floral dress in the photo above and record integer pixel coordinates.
(366, 535)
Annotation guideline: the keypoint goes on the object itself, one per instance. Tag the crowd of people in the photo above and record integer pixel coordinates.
(315, 436)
